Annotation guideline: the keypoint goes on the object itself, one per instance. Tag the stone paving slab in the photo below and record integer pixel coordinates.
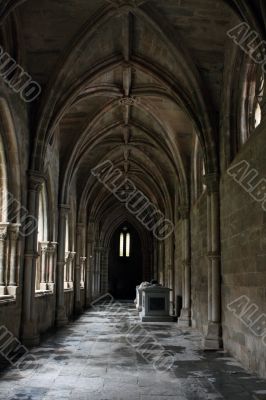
(97, 358)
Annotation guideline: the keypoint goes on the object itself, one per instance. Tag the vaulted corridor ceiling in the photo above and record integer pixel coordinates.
(131, 82)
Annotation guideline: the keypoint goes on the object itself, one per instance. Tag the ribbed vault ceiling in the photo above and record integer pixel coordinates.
(128, 81)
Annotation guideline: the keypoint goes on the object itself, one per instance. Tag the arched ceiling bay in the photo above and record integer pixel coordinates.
(127, 81)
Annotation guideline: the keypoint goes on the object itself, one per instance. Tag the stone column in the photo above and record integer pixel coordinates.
(66, 272)
(104, 270)
(213, 339)
(88, 275)
(13, 233)
(178, 280)
(185, 317)
(51, 262)
(155, 260)
(71, 259)
(43, 265)
(93, 276)
(3, 235)
(61, 318)
(77, 278)
(209, 261)
(82, 271)
(160, 262)
(30, 334)
(77, 298)
(97, 271)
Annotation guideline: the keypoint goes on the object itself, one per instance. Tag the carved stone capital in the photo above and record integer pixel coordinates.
(13, 231)
(82, 260)
(51, 248)
(63, 209)
(35, 180)
(71, 255)
(43, 246)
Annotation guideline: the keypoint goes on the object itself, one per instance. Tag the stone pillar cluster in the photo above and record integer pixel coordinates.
(88, 273)
(9, 258)
(79, 267)
(61, 317)
(30, 334)
(47, 251)
(185, 317)
(213, 339)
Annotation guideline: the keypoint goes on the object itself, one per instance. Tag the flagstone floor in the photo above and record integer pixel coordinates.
(108, 355)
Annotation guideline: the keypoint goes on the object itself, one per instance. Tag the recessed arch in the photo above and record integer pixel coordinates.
(10, 157)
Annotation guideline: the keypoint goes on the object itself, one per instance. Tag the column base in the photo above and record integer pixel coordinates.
(61, 318)
(184, 320)
(171, 308)
(78, 308)
(213, 339)
(178, 305)
(88, 302)
(30, 337)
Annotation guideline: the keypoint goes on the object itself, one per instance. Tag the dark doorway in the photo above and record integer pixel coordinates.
(125, 262)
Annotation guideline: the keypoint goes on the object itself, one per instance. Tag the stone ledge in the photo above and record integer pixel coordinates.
(260, 395)
(43, 293)
(154, 318)
(7, 298)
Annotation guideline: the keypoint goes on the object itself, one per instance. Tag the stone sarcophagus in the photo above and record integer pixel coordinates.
(139, 290)
(156, 304)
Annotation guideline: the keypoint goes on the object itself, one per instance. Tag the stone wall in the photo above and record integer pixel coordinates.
(45, 310)
(178, 267)
(243, 229)
(199, 263)
(10, 315)
(17, 128)
(69, 302)
(82, 297)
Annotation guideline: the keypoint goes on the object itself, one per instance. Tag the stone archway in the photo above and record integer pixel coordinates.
(125, 268)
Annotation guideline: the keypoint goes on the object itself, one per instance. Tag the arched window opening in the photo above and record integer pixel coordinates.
(121, 245)
(46, 249)
(67, 235)
(3, 186)
(42, 215)
(257, 100)
(250, 113)
(5, 269)
(257, 115)
(198, 171)
(123, 268)
(69, 258)
(128, 245)
(10, 207)
(124, 243)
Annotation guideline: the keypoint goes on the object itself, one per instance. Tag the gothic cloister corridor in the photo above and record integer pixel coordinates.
(132, 167)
